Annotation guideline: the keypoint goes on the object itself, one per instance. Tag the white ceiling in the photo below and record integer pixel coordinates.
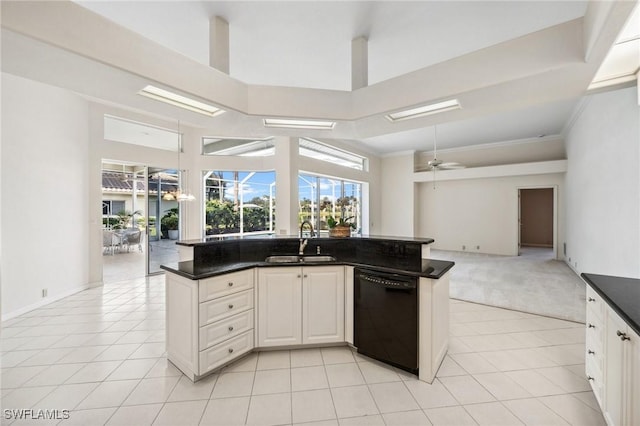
(516, 65)
(308, 43)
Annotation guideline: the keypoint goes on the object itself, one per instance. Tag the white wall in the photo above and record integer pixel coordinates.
(603, 185)
(45, 194)
(478, 212)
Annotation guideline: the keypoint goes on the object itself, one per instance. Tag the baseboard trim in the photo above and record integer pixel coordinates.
(48, 300)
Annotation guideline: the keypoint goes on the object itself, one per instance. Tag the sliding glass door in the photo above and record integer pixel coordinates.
(162, 219)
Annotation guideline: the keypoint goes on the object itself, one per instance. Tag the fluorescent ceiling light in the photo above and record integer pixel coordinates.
(174, 99)
(421, 111)
(299, 124)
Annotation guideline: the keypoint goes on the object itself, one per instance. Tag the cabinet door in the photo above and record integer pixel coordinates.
(614, 388)
(279, 306)
(323, 304)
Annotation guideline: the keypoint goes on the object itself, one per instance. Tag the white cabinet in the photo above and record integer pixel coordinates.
(210, 322)
(621, 397)
(300, 305)
(433, 330)
(279, 306)
(594, 343)
(323, 304)
(612, 362)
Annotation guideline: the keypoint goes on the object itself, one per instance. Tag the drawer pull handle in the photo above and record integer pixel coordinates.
(591, 325)
(230, 328)
(623, 336)
(230, 306)
(230, 284)
(590, 352)
(591, 299)
(590, 378)
(230, 350)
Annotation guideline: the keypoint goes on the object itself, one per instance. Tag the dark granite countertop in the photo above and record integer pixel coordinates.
(622, 294)
(221, 238)
(433, 269)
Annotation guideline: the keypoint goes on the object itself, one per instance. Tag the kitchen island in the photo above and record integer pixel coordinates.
(228, 297)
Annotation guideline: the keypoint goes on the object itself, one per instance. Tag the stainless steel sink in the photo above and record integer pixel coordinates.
(299, 259)
(283, 259)
(318, 258)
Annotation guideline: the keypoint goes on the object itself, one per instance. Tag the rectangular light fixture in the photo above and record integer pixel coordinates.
(174, 99)
(299, 124)
(424, 110)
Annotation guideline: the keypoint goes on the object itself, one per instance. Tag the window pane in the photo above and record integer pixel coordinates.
(350, 204)
(239, 202)
(330, 191)
(307, 199)
(321, 197)
(320, 151)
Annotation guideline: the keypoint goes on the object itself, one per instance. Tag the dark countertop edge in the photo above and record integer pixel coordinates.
(592, 281)
(240, 266)
(217, 240)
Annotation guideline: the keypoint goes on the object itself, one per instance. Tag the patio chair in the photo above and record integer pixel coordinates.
(109, 241)
(133, 238)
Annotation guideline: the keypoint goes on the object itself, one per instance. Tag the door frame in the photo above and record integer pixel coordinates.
(555, 215)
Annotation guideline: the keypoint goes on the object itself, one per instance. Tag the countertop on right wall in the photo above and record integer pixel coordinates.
(622, 294)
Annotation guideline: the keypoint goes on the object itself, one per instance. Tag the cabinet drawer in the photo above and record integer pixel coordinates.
(595, 377)
(211, 288)
(226, 351)
(594, 330)
(595, 357)
(224, 307)
(595, 303)
(220, 331)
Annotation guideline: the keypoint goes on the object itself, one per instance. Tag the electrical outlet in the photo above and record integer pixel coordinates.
(464, 247)
(477, 247)
(44, 292)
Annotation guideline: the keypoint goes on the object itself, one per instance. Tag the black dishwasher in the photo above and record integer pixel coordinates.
(386, 318)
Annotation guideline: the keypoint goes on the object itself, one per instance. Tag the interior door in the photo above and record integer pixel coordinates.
(162, 187)
(536, 217)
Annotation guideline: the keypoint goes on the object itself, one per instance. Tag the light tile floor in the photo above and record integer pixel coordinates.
(100, 354)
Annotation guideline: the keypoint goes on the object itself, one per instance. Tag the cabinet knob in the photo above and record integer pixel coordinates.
(305, 275)
(230, 306)
(590, 378)
(623, 336)
(590, 352)
(230, 328)
(591, 325)
(230, 350)
(591, 299)
(230, 284)
(299, 275)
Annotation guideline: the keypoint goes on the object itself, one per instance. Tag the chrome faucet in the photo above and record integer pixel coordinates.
(303, 242)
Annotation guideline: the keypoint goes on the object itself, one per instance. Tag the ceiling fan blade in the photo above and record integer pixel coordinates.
(451, 166)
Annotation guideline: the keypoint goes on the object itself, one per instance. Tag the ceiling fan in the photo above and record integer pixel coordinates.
(435, 164)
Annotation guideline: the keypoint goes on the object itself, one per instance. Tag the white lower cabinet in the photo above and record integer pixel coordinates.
(323, 304)
(300, 305)
(612, 362)
(279, 306)
(210, 322)
(621, 365)
(594, 343)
